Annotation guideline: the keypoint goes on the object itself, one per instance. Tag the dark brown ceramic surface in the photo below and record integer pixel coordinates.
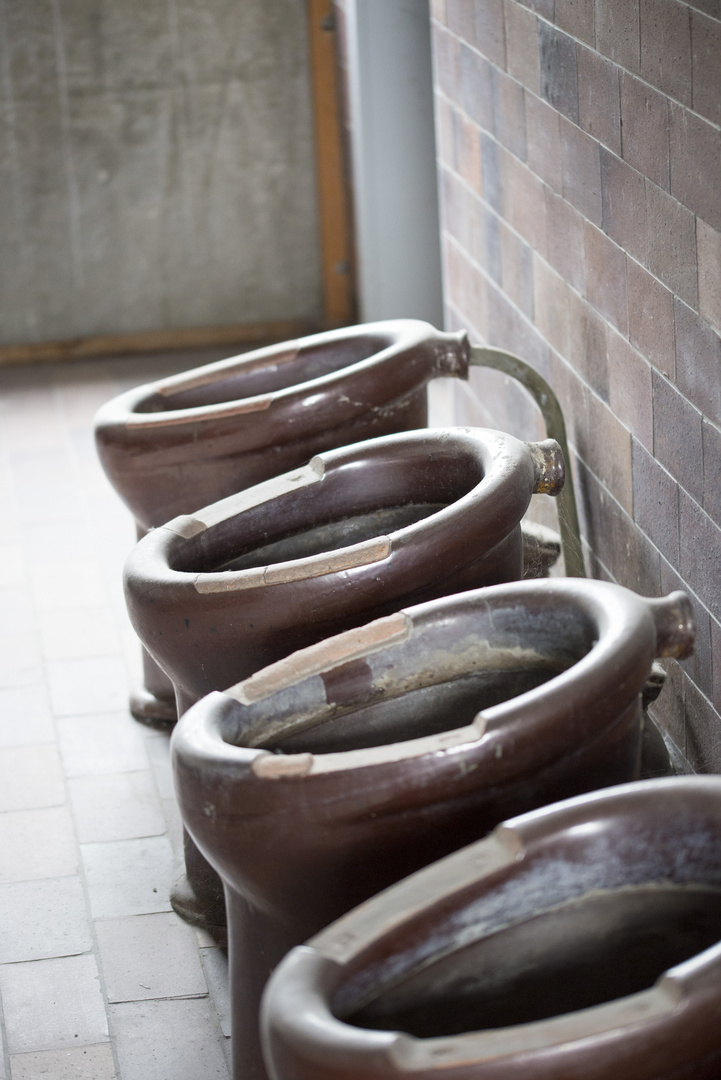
(354, 534)
(578, 942)
(328, 776)
(175, 445)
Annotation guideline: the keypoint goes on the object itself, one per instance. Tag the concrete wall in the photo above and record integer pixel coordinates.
(580, 156)
(156, 166)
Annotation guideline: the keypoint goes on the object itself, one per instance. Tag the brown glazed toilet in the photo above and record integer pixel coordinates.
(177, 444)
(331, 774)
(353, 535)
(577, 942)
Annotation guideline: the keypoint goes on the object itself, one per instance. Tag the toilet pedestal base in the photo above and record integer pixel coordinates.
(195, 910)
(151, 710)
(197, 892)
(153, 703)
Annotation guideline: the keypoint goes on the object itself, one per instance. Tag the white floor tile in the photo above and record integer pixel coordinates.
(50, 1004)
(168, 1040)
(118, 806)
(129, 877)
(43, 919)
(149, 956)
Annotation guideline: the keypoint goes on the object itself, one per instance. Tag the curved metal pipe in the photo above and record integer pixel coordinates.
(545, 398)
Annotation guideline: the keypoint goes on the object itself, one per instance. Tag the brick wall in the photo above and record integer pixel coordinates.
(580, 183)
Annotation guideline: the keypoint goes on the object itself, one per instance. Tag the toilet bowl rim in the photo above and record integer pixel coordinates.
(317, 968)
(405, 334)
(482, 445)
(199, 734)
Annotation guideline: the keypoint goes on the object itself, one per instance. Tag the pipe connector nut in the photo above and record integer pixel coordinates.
(675, 625)
(550, 467)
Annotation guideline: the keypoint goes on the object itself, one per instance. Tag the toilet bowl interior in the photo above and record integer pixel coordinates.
(587, 906)
(277, 369)
(587, 951)
(431, 688)
(348, 506)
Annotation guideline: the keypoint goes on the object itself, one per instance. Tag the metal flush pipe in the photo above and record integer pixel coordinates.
(543, 395)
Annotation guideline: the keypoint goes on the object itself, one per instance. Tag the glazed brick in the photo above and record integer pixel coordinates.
(581, 171)
(655, 502)
(606, 277)
(522, 59)
(565, 240)
(477, 87)
(467, 151)
(671, 239)
(491, 261)
(524, 200)
(509, 113)
(476, 211)
(709, 7)
(543, 139)
(706, 59)
(550, 305)
(447, 63)
(666, 47)
(516, 270)
(630, 388)
(507, 329)
(650, 318)
(453, 207)
(559, 78)
(677, 436)
(699, 665)
(491, 172)
(703, 747)
(465, 286)
(490, 37)
(627, 555)
(587, 346)
(444, 130)
(606, 448)
(544, 8)
(716, 661)
(599, 111)
(698, 362)
(696, 164)
(572, 394)
(461, 19)
(700, 553)
(645, 130)
(624, 204)
(576, 17)
(712, 472)
(708, 252)
(617, 32)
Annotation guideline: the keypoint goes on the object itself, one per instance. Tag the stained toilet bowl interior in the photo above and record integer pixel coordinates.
(598, 915)
(273, 370)
(580, 953)
(345, 509)
(436, 692)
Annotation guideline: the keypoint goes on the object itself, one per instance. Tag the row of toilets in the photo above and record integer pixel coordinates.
(378, 718)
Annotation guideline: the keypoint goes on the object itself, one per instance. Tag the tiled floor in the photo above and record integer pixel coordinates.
(98, 977)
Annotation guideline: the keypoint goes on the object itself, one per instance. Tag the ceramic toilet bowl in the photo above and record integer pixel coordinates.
(174, 445)
(577, 941)
(353, 535)
(324, 778)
